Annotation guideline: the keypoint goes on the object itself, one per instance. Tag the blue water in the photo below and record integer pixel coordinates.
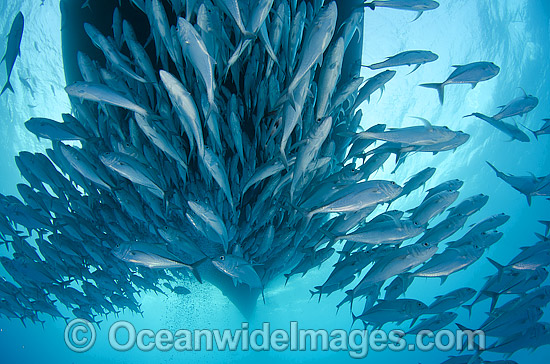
(513, 34)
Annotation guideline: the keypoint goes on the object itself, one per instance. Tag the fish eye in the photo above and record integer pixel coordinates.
(222, 258)
(393, 183)
(425, 244)
(416, 223)
(445, 127)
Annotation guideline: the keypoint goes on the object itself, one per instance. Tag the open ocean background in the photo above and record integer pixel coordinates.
(514, 34)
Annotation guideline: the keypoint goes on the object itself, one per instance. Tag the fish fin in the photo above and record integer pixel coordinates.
(287, 275)
(407, 278)
(498, 266)
(415, 68)
(349, 293)
(462, 327)
(443, 279)
(547, 224)
(7, 86)
(469, 308)
(370, 5)
(494, 298)
(474, 85)
(439, 87)
(381, 92)
(193, 268)
(418, 15)
(424, 121)
(532, 131)
(528, 197)
(413, 321)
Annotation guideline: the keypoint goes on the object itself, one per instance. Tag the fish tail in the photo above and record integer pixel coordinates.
(547, 224)
(355, 318)
(193, 268)
(532, 131)
(374, 66)
(439, 87)
(462, 327)
(499, 267)
(494, 299)
(351, 296)
(541, 237)
(287, 278)
(7, 86)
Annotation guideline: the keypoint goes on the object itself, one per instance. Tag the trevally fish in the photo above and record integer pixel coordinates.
(414, 5)
(413, 135)
(398, 310)
(316, 40)
(544, 130)
(360, 196)
(51, 129)
(12, 49)
(451, 300)
(519, 106)
(434, 323)
(238, 268)
(471, 73)
(450, 261)
(374, 83)
(131, 169)
(407, 58)
(101, 93)
(110, 52)
(526, 185)
(511, 130)
(143, 254)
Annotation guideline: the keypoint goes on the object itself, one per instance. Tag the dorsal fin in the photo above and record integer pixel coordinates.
(425, 121)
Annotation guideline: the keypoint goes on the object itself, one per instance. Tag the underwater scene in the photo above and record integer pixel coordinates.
(275, 181)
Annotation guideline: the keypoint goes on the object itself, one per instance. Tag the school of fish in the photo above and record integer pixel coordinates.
(232, 139)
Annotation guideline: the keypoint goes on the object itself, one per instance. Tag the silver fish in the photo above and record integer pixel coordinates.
(471, 73)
